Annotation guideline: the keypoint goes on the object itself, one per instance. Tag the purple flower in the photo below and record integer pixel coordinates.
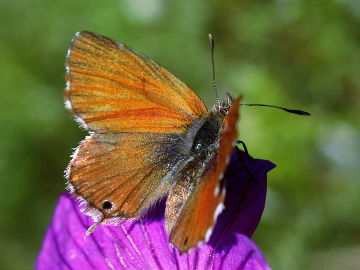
(144, 244)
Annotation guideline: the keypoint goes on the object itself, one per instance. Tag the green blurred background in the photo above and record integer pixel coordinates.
(296, 53)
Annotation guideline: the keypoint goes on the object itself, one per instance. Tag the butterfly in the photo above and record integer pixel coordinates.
(150, 136)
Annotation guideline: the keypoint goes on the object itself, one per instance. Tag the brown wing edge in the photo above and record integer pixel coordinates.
(85, 206)
(67, 100)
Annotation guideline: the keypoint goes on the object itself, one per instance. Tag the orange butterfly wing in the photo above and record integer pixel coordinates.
(112, 88)
(201, 206)
(120, 175)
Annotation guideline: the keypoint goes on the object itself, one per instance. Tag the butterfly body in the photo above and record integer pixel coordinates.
(150, 136)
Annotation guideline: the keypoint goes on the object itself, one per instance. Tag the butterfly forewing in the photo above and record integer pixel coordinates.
(112, 88)
(202, 204)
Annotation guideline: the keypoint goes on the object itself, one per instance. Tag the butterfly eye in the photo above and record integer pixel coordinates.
(107, 205)
(198, 146)
(206, 136)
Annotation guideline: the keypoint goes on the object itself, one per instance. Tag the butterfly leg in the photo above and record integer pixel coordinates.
(92, 228)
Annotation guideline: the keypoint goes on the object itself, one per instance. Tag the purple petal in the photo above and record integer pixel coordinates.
(245, 198)
(144, 244)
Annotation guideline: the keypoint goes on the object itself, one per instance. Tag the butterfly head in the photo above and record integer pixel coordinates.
(222, 107)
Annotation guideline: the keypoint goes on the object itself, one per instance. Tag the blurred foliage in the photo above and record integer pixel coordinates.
(295, 53)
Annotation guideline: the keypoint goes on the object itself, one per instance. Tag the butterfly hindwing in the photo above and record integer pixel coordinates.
(121, 175)
(112, 88)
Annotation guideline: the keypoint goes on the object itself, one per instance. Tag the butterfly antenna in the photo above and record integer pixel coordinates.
(298, 112)
(212, 44)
